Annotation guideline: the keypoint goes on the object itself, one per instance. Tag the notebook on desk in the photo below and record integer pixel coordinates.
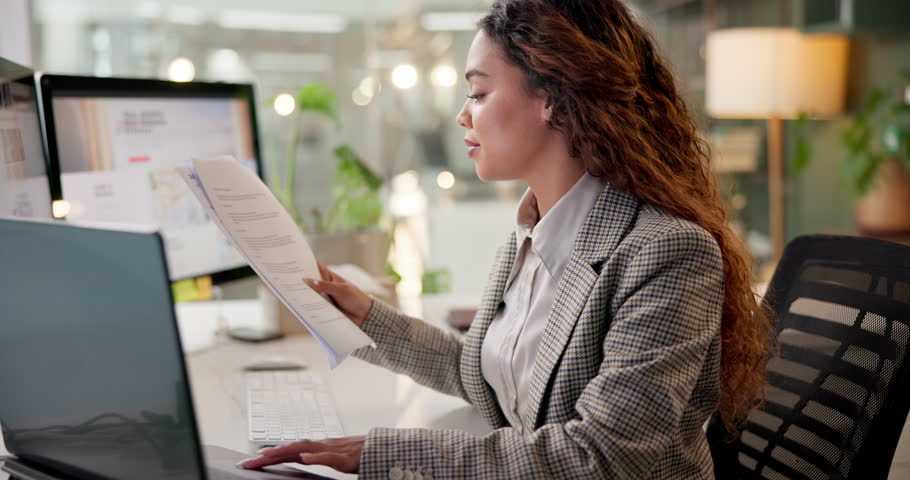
(91, 369)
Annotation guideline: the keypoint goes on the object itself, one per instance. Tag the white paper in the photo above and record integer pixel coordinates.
(249, 214)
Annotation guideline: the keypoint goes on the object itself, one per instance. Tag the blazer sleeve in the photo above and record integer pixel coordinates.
(665, 316)
(410, 346)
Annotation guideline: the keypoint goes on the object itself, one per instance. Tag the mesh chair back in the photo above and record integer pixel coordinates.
(838, 393)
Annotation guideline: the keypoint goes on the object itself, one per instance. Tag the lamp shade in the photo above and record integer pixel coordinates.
(774, 72)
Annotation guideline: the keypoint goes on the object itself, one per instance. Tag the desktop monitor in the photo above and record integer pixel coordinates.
(113, 144)
(24, 187)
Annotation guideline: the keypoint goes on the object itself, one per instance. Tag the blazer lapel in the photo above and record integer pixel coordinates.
(611, 217)
(476, 387)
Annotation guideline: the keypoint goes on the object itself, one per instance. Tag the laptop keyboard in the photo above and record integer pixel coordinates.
(286, 406)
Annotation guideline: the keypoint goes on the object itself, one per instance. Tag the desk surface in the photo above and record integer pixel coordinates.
(365, 396)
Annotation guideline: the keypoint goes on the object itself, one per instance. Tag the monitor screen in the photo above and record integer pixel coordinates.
(24, 188)
(115, 144)
(93, 380)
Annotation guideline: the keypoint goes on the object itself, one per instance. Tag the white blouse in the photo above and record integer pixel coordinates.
(543, 250)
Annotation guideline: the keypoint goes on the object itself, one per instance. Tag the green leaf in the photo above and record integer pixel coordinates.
(355, 190)
(852, 166)
(801, 156)
(846, 136)
(437, 281)
(861, 140)
(867, 175)
(872, 104)
(391, 272)
(352, 169)
(856, 137)
(320, 99)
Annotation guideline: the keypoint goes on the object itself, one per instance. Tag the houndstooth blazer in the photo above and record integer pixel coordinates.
(627, 374)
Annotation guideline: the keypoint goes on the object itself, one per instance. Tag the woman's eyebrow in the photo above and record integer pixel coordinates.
(474, 73)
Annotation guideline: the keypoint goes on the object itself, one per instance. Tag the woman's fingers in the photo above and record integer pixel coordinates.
(346, 296)
(327, 274)
(342, 454)
(334, 289)
(338, 461)
(286, 453)
(324, 272)
(295, 448)
(264, 461)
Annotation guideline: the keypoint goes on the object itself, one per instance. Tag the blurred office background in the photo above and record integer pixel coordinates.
(396, 68)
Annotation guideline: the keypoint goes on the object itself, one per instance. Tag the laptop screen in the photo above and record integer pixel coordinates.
(91, 372)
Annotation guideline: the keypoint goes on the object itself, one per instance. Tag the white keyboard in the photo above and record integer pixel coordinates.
(285, 406)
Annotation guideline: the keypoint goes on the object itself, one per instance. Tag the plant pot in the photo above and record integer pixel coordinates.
(367, 250)
(885, 210)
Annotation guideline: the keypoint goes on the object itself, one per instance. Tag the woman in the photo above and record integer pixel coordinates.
(618, 317)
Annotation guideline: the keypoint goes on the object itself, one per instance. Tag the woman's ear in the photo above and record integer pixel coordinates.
(546, 110)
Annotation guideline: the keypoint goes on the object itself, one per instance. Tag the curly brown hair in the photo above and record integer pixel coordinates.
(617, 103)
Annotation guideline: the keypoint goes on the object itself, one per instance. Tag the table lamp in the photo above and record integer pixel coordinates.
(775, 74)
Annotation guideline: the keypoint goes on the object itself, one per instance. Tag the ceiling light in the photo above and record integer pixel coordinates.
(445, 180)
(60, 208)
(181, 70)
(404, 76)
(444, 76)
(369, 86)
(360, 98)
(285, 104)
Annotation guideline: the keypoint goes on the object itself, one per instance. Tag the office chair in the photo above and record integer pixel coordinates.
(839, 391)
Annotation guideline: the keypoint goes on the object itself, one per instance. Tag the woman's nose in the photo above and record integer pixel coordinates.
(463, 118)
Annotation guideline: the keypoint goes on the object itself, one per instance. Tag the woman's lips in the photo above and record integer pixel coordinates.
(472, 147)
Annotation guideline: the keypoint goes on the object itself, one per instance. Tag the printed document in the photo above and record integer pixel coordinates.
(248, 213)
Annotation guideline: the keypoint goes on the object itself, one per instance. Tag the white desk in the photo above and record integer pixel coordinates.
(365, 395)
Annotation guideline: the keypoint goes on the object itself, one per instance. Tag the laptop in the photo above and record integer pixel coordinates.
(93, 382)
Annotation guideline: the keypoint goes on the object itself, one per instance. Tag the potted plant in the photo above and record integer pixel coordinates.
(876, 160)
(349, 230)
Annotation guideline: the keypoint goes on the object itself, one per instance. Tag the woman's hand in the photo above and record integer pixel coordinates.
(352, 301)
(342, 454)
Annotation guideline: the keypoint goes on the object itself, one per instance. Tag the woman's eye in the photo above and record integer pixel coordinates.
(475, 97)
